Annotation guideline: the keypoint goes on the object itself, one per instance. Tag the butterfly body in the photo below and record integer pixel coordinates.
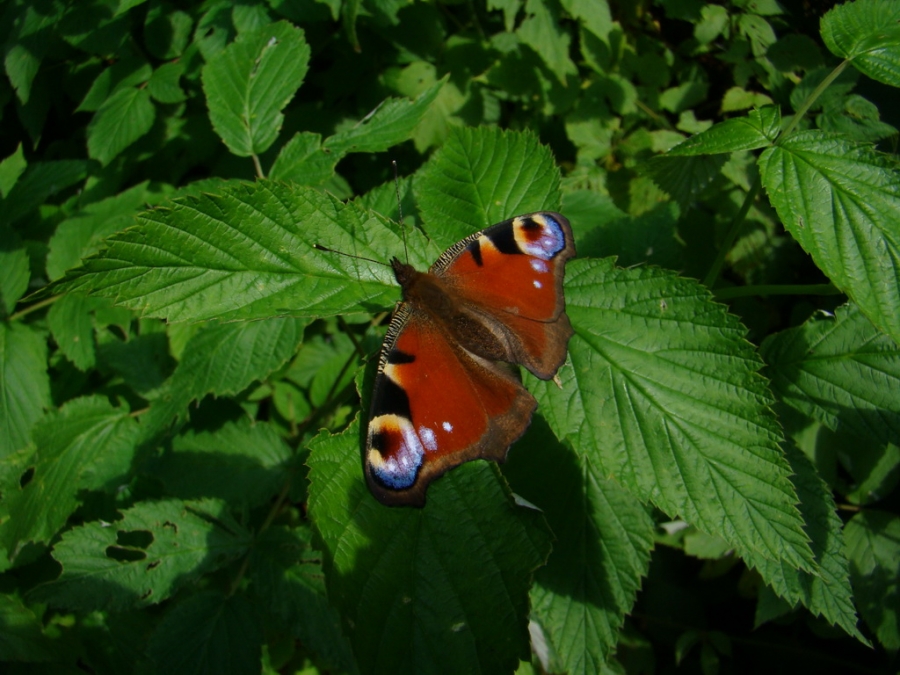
(447, 391)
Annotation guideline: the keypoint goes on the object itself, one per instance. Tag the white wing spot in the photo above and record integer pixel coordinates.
(539, 266)
(447, 427)
(428, 439)
(537, 284)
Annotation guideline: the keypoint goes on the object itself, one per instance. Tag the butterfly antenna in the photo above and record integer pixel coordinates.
(319, 247)
(400, 208)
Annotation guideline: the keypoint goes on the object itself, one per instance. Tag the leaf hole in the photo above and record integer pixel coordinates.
(134, 538)
(125, 555)
(26, 477)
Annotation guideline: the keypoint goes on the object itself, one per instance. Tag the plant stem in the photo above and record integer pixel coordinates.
(33, 308)
(736, 226)
(259, 169)
(807, 104)
(776, 289)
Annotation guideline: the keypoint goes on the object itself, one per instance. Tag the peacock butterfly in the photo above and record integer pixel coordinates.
(447, 390)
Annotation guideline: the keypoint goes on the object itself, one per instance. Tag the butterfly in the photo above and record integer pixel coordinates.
(447, 389)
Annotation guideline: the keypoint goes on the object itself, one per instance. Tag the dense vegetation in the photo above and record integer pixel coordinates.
(710, 487)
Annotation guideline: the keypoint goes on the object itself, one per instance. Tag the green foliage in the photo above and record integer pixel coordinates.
(185, 351)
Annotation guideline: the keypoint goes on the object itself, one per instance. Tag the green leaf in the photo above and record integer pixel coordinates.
(420, 590)
(11, 169)
(541, 31)
(144, 558)
(123, 118)
(15, 269)
(304, 161)
(28, 42)
(83, 446)
(24, 385)
(248, 254)
(664, 395)
(70, 323)
(603, 538)
(873, 546)
(840, 201)
(41, 181)
(251, 81)
(391, 123)
(240, 463)
(868, 33)
(840, 371)
(482, 176)
(827, 593)
(223, 360)
(22, 638)
(758, 129)
(128, 72)
(209, 633)
(164, 85)
(81, 234)
(166, 31)
(286, 575)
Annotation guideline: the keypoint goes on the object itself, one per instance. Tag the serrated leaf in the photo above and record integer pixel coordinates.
(664, 395)
(81, 234)
(248, 254)
(15, 269)
(251, 81)
(41, 181)
(24, 384)
(287, 578)
(304, 161)
(482, 176)
(224, 359)
(840, 371)
(827, 593)
(209, 633)
(83, 446)
(123, 118)
(873, 546)
(388, 125)
(70, 323)
(144, 558)
(868, 33)
(840, 202)
(603, 537)
(758, 129)
(440, 588)
(240, 463)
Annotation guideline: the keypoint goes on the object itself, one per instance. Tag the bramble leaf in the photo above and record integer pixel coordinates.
(249, 83)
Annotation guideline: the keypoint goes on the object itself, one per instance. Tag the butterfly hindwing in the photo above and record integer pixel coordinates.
(435, 406)
(447, 390)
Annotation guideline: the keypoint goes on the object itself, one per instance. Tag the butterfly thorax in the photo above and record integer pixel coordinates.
(422, 289)
(429, 294)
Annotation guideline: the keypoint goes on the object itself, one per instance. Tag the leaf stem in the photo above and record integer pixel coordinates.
(736, 225)
(775, 289)
(807, 104)
(259, 170)
(33, 308)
